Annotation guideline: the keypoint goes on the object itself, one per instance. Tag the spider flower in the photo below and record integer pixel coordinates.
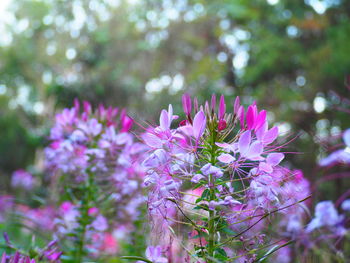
(232, 157)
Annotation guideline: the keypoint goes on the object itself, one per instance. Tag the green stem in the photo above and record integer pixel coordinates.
(85, 219)
(211, 223)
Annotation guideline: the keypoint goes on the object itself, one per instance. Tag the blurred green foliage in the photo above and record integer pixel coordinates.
(289, 55)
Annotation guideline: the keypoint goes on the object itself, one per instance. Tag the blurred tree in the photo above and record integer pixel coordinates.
(290, 55)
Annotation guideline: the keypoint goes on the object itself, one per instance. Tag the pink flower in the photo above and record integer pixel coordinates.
(155, 254)
(23, 179)
(272, 160)
(196, 130)
(248, 149)
(222, 108)
(186, 103)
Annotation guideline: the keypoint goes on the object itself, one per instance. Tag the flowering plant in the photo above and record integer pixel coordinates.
(50, 253)
(218, 176)
(94, 159)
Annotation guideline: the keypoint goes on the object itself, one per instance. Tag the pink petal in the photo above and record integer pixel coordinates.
(274, 158)
(223, 145)
(187, 130)
(164, 120)
(170, 114)
(213, 102)
(199, 123)
(226, 146)
(270, 135)
(244, 142)
(260, 132)
(222, 107)
(226, 158)
(240, 113)
(261, 119)
(195, 104)
(152, 140)
(255, 150)
(236, 105)
(265, 167)
(186, 103)
(251, 117)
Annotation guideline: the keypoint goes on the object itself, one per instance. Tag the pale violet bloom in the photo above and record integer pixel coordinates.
(346, 205)
(155, 254)
(326, 215)
(209, 169)
(339, 156)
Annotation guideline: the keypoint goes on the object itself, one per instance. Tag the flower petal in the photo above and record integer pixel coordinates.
(152, 140)
(261, 119)
(199, 123)
(222, 107)
(270, 135)
(274, 158)
(244, 142)
(265, 167)
(251, 116)
(226, 158)
(164, 120)
(346, 137)
(255, 150)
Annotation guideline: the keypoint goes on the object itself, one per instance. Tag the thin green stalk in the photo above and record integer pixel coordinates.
(211, 222)
(85, 219)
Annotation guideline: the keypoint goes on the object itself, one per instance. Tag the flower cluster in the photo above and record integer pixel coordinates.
(23, 179)
(98, 239)
(99, 143)
(97, 159)
(233, 157)
(49, 254)
(39, 218)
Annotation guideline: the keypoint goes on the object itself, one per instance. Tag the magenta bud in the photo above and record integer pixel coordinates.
(240, 114)
(76, 105)
(222, 107)
(183, 123)
(222, 125)
(87, 107)
(213, 102)
(186, 103)
(236, 105)
(195, 104)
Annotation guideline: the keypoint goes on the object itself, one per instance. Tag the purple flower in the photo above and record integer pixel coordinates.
(346, 205)
(272, 160)
(266, 136)
(326, 216)
(23, 179)
(339, 156)
(222, 108)
(209, 169)
(155, 254)
(186, 103)
(226, 158)
(196, 178)
(195, 130)
(248, 149)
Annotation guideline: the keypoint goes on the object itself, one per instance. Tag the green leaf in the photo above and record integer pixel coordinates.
(137, 258)
(274, 249)
(205, 194)
(228, 231)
